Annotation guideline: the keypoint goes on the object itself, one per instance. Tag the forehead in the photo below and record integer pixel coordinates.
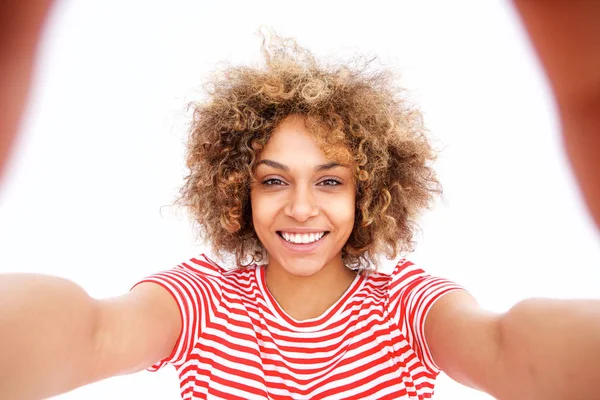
(291, 139)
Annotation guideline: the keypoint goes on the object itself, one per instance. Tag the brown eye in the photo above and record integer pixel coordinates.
(330, 182)
(273, 182)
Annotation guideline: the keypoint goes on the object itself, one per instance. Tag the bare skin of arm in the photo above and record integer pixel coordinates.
(566, 36)
(56, 338)
(541, 349)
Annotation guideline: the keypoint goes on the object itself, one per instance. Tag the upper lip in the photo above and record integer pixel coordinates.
(301, 230)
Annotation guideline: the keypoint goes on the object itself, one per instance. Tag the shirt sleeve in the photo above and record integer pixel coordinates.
(412, 294)
(196, 287)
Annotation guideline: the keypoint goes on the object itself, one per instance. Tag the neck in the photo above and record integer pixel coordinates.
(307, 297)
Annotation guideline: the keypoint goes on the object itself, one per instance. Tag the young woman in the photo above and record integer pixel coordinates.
(306, 174)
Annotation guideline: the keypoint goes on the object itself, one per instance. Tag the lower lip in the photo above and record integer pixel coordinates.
(301, 247)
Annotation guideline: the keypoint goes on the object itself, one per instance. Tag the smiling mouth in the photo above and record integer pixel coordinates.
(302, 238)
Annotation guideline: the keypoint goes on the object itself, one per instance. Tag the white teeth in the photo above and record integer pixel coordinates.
(302, 238)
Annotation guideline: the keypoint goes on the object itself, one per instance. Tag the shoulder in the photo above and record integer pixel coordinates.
(406, 271)
(402, 273)
(202, 264)
(412, 291)
(389, 280)
(205, 267)
(237, 282)
(196, 278)
(408, 278)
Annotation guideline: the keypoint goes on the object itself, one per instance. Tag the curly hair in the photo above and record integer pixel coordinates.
(345, 106)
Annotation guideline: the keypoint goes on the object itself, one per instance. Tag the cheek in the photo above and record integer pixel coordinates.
(262, 210)
(342, 212)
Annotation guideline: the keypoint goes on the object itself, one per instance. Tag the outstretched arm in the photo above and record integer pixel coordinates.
(540, 349)
(54, 337)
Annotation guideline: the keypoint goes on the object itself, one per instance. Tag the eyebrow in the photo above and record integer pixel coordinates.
(283, 167)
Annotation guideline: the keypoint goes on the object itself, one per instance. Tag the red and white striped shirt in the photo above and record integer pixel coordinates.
(237, 342)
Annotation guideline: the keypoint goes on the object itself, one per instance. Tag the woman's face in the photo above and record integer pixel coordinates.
(302, 202)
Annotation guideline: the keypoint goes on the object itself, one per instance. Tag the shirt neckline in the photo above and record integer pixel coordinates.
(311, 324)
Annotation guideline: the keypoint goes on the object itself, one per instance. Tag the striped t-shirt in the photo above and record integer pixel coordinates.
(237, 342)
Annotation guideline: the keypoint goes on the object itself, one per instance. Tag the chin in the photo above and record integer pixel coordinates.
(301, 267)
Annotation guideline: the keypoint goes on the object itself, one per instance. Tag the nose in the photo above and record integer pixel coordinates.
(301, 205)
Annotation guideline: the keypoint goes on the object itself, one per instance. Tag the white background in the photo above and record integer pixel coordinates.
(101, 146)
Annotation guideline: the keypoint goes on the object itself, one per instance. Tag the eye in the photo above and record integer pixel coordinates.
(273, 182)
(330, 182)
